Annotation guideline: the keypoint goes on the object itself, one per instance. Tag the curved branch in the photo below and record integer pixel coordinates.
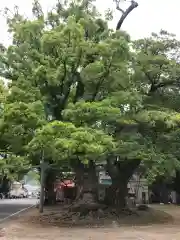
(125, 13)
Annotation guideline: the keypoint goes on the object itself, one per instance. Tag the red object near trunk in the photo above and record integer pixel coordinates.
(61, 184)
(65, 190)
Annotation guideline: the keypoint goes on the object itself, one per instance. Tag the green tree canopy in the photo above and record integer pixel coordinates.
(82, 90)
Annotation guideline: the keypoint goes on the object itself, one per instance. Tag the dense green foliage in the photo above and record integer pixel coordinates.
(157, 74)
(81, 91)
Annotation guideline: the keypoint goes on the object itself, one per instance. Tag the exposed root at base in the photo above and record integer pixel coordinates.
(68, 216)
(94, 212)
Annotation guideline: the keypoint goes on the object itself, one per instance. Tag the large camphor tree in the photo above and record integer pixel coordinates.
(83, 94)
(46, 64)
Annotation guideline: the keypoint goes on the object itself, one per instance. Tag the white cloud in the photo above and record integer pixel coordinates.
(150, 16)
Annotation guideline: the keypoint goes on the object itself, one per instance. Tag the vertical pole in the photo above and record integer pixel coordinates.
(41, 203)
(43, 166)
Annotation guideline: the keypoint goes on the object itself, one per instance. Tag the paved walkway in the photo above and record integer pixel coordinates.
(11, 206)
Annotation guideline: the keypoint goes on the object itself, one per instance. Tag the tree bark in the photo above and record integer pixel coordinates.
(125, 13)
(116, 194)
(5, 185)
(87, 184)
(120, 173)
(50, 195)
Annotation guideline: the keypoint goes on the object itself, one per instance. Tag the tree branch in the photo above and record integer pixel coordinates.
(71, 81)
(120, 9)
(64, 76)
(125, 13)
(79, 89)
(128, 166)
(155, 87)
(122, 169)
(103, 77)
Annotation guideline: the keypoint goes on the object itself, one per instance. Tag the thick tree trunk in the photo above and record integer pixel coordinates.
(116, 194)
(5, 185)
(120, 173)
(87, 184)
(50, 195)
(176, 186)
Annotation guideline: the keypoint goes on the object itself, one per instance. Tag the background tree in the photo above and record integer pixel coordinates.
(144, 129)
(12, 166)
(157, 66)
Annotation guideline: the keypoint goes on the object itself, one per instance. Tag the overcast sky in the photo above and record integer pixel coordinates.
(150, 16)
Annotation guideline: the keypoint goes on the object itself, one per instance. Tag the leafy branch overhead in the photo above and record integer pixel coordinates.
(59, 141)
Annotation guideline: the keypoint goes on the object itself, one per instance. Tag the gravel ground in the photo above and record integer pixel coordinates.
(20, 229)
(124, 233)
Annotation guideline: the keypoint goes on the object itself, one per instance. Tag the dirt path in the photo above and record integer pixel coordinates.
(171, 231)
(124, 233)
